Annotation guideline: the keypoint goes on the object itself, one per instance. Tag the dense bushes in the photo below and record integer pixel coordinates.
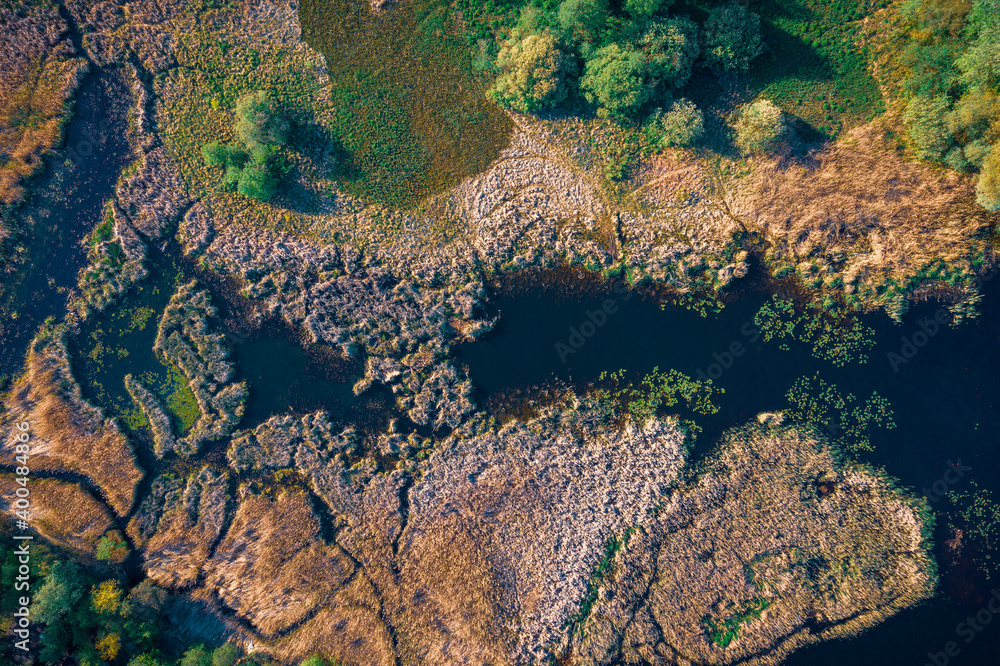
(95, 621)
(732, 38)
(633, 58)
(953, 111)
(988, 187)
(583, 21)
(533, 74)
(683, 125)
(253, 166)
(761, 125)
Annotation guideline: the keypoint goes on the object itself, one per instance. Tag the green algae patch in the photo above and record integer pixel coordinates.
(410, 114)
(119, 341)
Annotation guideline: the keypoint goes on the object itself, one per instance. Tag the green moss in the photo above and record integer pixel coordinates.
(179, 400)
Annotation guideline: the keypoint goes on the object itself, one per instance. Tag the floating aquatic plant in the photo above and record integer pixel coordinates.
(835, 334)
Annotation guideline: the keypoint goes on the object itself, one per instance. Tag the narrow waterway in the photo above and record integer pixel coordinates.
(65, 204)
(941, 382)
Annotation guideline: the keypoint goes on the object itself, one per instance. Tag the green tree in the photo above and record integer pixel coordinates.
(645, 8)
(59, 595)
(988, 185)
(760, 127)
(533, 74)
(225, 655)
(583, 20)
(979, 64)
(732, 38)
(614, 79)
(258, 121)
(197, 655)
(670, 48)
(682, 125)
(927, 125)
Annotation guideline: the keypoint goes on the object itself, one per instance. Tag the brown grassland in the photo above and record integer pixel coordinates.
(66, 432)
(64, 513)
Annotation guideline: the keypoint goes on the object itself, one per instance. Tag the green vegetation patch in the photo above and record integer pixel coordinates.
(976, 513)
(604, 569)
(835, 334)
(814, 400)
(817, 62)
(410, 115)
(725, 631)
(120, 341)
(642, 400)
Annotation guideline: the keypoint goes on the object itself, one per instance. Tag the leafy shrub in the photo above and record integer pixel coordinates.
(645, 8)
(252, 167)
(318, 660)
(614, 79)
(112, 547)
(988, 185)
(670, 48)
(760, 127)
(258, 121)
(532, 74)
(258, 181)
(220, 154)
(732, 38)
(583, 20)
(682, 125)
(146, 659)
(225, 655)
(198, 655)
(926, 124)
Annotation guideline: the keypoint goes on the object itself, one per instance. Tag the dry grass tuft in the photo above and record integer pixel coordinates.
(273, 568)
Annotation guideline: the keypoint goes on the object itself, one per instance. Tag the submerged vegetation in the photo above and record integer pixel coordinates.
(976, 512)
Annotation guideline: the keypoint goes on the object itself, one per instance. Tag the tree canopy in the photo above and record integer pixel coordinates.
(732, 38)
(532, 74)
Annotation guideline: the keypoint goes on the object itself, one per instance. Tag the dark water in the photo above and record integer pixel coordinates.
(945, 400)
(283, 373)
(68, 202)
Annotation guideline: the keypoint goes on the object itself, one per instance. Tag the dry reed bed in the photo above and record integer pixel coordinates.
(40, 71)
(63, 513)
(68, 433)
(859, 218)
